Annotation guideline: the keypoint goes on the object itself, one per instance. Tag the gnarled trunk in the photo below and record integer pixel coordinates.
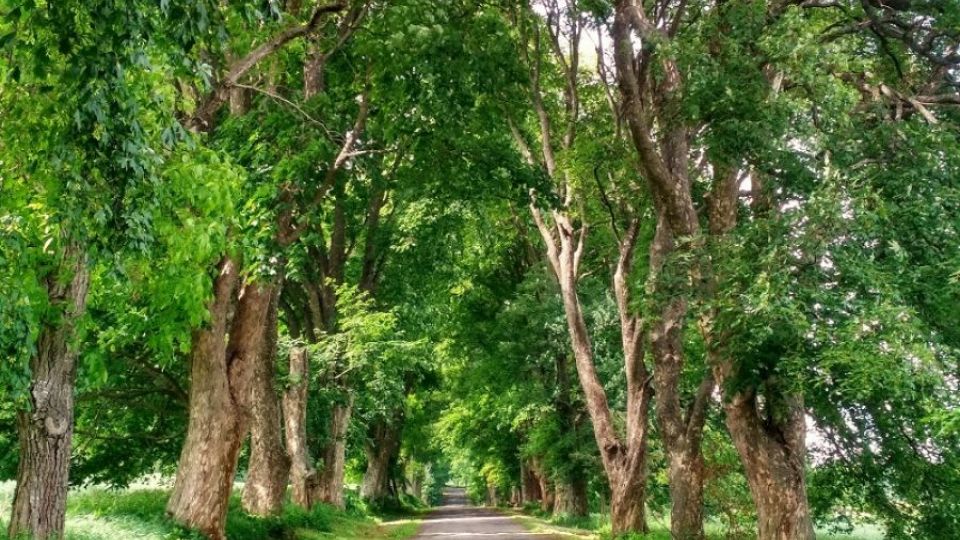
(221, 376)
(330, 483)
(269, 467)
(774, 464)
(303, 477)
(46, 430)
(383, 443)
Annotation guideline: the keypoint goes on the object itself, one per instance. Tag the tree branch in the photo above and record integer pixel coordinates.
(202, 118)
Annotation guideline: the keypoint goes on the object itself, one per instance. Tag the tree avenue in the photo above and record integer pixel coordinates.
(274, 269)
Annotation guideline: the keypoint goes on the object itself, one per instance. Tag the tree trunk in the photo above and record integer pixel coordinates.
(571, 499)
(627, 508)
(269, 467)
(686, 473)
(221, 377)
(303, 477)
(529, 485)
(330, 485)
(416, 485)
(681, 427)
(492, 495)
(46, 430)
(382, 445)
(773, 457)
(624, 460)
(543, 486)
(571, 493)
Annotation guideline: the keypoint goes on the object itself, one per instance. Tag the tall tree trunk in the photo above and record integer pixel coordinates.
(269, 467)
(623, 459)
(330, 484)
(46, 430)
(681, 428)
(221, 377)
(383, 443)
(773, 454)
(303, 477)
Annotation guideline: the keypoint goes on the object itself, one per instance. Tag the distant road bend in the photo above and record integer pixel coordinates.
(458, 520)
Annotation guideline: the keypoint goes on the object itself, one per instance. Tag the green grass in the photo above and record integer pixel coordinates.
(595, 526)
(102, 514)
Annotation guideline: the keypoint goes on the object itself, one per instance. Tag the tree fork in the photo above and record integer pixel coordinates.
(221, 376)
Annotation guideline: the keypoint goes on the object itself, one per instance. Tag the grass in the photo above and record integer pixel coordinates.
(138, 513)
(595, 526)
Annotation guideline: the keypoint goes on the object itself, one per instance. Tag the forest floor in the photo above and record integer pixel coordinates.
(104, 514)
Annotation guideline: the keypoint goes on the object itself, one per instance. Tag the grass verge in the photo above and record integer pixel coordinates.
(104, 514)
(596, 527)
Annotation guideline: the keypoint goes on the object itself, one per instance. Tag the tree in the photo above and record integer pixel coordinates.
(765, 413)
(78, 139)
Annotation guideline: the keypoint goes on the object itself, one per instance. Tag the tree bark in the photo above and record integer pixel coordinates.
(269, 467)
(221, 376)
(330, 484)
(627, 508)
(416, 482)
(665, 162)
(303, 476)
(773, 454)
(681, 428)
(383, 443)
(46, 430)
(686, 472)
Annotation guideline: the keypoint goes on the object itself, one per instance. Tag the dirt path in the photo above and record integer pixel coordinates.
(457, 519)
